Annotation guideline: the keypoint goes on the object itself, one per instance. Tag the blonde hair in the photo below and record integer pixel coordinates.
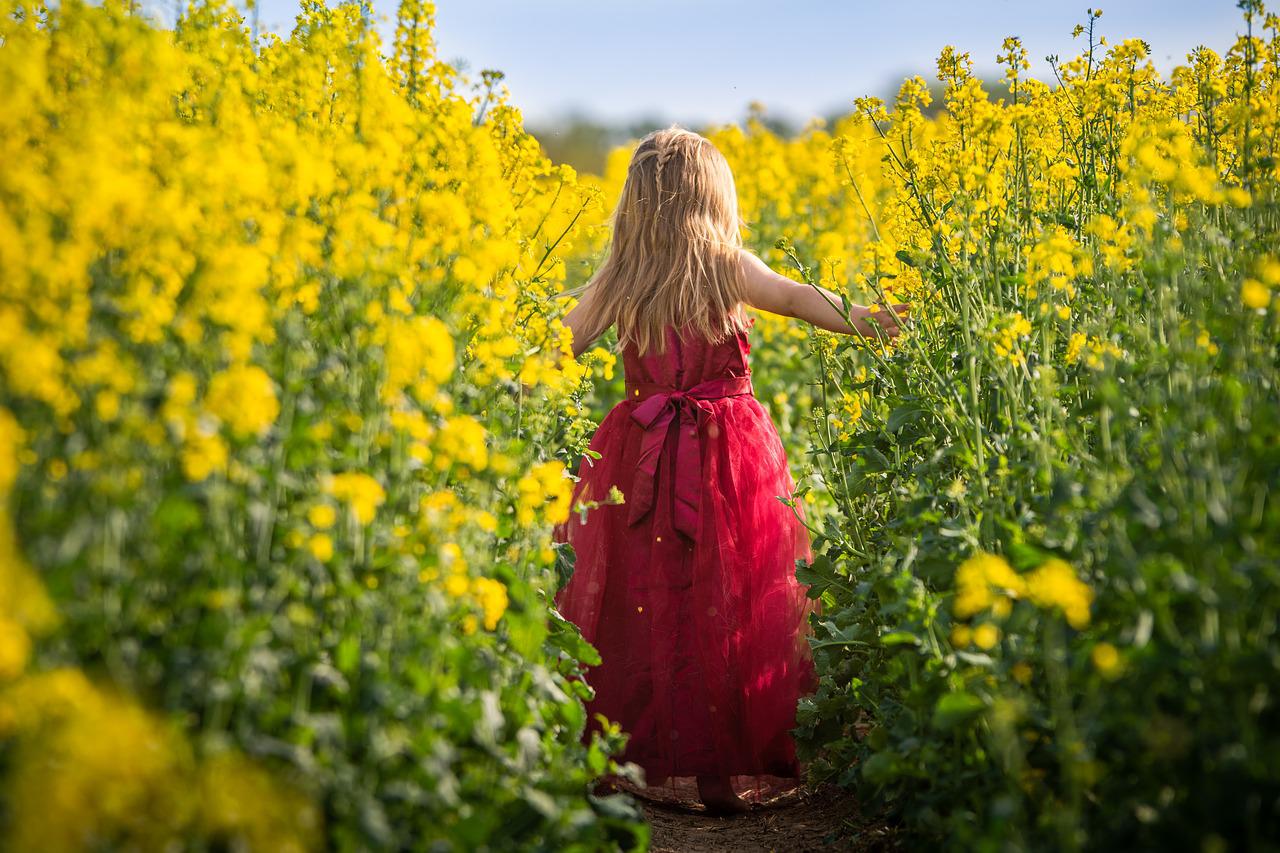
(674, 257)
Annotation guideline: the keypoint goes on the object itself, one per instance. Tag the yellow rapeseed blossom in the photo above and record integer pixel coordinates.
(420, 356)
(547, 488)
(1055, 585)
(1055, 260)
(12, 438)
(89, 764)
(322, 516)
(457, 584)
(461, 441)
(244, 803)
(1021, 672)
(986, 635)
(980, 580)
(321, 547)
(360, 492)
(15, 649)
(244, 398)
(1254, 294)
(1106, 659)
(203, 454)
(492, 596)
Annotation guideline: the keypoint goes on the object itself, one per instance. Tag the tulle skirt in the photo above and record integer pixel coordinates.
(702, 637)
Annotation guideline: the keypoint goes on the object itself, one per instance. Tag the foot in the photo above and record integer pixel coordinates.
(718, 796)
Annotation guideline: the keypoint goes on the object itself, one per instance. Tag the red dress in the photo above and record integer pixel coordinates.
(688, 589)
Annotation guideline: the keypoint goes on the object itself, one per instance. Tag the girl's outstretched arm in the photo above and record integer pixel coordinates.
(777, 294)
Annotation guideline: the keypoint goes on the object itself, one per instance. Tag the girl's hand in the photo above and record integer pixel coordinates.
(882, 321)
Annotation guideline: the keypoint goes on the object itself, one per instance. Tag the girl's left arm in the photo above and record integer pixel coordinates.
(777, 294)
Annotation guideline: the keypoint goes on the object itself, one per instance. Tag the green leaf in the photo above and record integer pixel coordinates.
(348, 654)
(956, 708)
(881, 768)
(904, 414)
(597, 761)
(565, 560)
(898, 638)
(566, 637)
(526, 635)
(873, 460)
(817, 575)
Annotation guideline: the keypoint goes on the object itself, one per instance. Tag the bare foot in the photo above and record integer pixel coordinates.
(718, 796)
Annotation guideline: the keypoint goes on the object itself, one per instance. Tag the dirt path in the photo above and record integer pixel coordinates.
(795, 820)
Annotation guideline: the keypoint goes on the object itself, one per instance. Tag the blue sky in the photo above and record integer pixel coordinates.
(705, 60)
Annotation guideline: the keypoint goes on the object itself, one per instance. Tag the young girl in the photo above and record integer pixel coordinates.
(688, 589)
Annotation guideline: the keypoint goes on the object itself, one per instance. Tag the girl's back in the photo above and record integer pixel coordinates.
(687, 360)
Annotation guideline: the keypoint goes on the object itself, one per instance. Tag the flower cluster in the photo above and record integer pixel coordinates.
(279, 350)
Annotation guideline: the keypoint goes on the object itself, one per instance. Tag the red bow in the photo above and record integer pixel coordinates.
(659, 407)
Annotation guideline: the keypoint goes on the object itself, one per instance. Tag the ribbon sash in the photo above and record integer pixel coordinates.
(660, 408)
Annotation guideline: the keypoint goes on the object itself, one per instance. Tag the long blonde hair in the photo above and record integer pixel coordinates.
(674, 256)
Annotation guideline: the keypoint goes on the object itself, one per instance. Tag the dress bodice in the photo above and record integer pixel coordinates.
(688, 361)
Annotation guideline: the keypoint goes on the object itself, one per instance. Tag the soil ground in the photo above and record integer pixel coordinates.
(783, 817)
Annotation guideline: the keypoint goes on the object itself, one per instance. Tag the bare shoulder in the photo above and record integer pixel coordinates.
(753, 267)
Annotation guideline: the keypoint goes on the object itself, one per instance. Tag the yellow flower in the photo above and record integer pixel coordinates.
(961, 636)
(492, 596)
(1255, 294)
(92, 765)
(986, 635)
(1269, 270)
(12, 439)
(321, 547)
(244, 398)
(246, 804)
(1055, 585)
(1074, 346)
(203, 454)
(1238, 196)
(15, 649)
(322, 516)
(461, 441)
(545, 487)
(1106, 659)
(420, 356)
(107, 405)
(360, 492)
(457, 584)
(980, 579)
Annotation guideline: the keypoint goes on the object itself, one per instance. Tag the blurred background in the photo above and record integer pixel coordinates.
(590, 75)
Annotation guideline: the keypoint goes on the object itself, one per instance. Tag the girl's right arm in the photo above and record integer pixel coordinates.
(777, 294)
(575, 322)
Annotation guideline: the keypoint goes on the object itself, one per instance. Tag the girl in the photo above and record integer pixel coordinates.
(688, 588)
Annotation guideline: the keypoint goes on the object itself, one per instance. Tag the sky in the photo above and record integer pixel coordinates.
(702, 61)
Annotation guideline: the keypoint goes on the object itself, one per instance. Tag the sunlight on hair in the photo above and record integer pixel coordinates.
(675, 254)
